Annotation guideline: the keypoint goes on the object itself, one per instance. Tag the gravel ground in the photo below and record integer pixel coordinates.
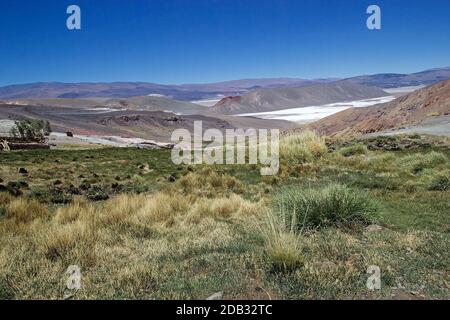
(439, 126)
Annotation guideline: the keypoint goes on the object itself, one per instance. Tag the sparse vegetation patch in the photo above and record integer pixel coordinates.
(141, 227)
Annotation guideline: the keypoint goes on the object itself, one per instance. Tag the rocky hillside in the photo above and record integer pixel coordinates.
(412, 109)
(147, 103)
(263, 100)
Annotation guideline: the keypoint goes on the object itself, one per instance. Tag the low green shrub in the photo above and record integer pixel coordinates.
(96, 193)
(334, 205)
(352, 150)
(369, 180)
(440, 182)
(53, 195)
(416, 163)
(282, 243)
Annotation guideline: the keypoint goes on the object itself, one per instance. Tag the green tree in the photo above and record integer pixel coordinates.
(31, 130)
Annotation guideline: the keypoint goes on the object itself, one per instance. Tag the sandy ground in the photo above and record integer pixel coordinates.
(401, 91)
(58, 138)
(207, 103)
(439, 126)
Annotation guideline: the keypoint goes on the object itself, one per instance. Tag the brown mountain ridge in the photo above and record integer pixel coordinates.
(411, 109)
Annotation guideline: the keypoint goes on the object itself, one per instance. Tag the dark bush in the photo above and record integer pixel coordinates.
(96, 193)
(440, 183)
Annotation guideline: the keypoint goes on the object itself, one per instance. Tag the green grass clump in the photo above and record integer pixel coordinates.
(334, 205)
(441, 182)
(97, 193)
(281, 242)
(354, 149)
(52, 195)
(208, 230)
(416, 163)
(301, 148)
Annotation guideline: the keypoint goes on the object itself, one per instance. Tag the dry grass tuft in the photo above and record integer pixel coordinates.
(22, 210)
(162, 207)
(69, 214)
(302, 148)
(282, 242)
(224, 208)
(209, 181)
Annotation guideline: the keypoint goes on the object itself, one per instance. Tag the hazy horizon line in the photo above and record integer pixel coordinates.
(220, 81)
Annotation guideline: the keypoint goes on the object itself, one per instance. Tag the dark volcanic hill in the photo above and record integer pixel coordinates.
(263, 100)
(412, 109)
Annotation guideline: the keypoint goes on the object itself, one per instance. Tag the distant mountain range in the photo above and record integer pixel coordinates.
(263, 100)
(395, 80)
(188, 92)
(185, 92)
(422, 105)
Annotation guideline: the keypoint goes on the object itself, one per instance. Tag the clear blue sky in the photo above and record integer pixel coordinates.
(184, 41)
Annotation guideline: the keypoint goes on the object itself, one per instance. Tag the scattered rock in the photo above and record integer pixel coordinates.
(216, 296)
(23, 184)
(74, 190)
(171, 178)
(85, 186)
(68, 296)
(174, 119)
(23, 171)
(58, 196)
(13, 185)
(97, 193)
(374, 228)
(14, 192)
